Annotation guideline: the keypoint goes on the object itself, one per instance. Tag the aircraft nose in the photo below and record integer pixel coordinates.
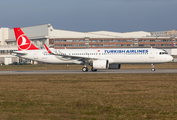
(170, 58)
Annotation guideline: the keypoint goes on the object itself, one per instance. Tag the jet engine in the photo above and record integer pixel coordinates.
(100, 64)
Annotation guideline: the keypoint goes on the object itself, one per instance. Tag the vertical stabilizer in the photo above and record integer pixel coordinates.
(23, 42)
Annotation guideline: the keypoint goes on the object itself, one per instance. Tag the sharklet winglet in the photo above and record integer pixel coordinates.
(47, 49)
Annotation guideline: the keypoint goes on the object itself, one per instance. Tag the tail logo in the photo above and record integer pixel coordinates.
(23, 42)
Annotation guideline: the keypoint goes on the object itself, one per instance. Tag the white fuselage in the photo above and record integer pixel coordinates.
(120, 56)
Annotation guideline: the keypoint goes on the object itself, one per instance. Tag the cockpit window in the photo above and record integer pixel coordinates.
(165, 51)
(162, 53)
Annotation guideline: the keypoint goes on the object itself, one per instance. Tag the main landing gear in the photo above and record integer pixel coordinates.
(84, 69)
(153, 69)
(93, 70)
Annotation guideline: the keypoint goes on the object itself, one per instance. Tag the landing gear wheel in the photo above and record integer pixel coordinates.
(153, 69)
(84, 69)
(93, 70)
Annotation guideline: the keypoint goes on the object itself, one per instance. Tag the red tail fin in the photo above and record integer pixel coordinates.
(23, 42)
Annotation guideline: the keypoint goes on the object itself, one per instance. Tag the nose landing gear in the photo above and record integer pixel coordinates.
(153, 69)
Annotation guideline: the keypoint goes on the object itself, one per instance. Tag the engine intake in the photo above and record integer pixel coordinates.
(100, 64)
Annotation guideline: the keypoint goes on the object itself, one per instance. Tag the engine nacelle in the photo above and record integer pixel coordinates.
(100, 64)
(114, 66)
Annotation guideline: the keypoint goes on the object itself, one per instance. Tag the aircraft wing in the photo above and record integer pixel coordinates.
(75, 57)
(79, 58)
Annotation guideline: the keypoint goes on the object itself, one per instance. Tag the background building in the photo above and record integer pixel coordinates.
(61, 39)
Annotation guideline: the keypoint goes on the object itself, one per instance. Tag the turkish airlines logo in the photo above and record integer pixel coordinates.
(23, 42)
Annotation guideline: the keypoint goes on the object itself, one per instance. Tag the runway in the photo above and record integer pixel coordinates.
(136, 71)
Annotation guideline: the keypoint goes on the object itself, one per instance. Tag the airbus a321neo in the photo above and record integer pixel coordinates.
(97, 58)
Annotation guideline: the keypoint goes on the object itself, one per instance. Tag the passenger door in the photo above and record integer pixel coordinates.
(151, 54)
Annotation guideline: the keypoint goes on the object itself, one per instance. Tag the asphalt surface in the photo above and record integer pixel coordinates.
(136, 71)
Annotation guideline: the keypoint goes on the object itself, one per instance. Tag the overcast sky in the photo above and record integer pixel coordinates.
(91, 15)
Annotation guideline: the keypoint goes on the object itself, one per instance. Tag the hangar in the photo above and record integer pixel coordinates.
(64, 39)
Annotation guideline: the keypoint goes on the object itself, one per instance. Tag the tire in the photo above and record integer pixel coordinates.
(84, 69)
(94, 70)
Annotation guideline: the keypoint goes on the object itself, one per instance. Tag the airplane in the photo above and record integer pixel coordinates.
(101, 58)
